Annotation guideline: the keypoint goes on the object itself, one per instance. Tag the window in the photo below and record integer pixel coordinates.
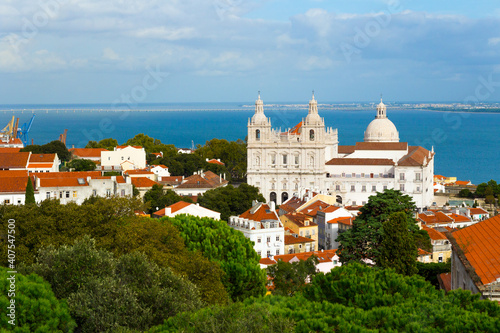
(6, 201)
(123, 158)
(314, 231)
(94, 193)
(418, 176)
(273, 159)
(277, 252)
(353, 188)
(268, 253)
(123, 193)
(285, 158)
(259, 239)
(337, 187)
(312, 247)
(278, 238)
(311, 135)
(257, 135)
(47, 195)
(385, 187)
(296, 159)
(418, 188)
(354, 203)
(259, 253)
(67, 194)
(353, 175)
(108, 193)
(268, 239)
(60, 194)
(109, 158)
(18, 201)
(363, 188)
(301, 233)
(401, 176)
(300, 246)
(363, 203)
(402, 187)
(374, 188)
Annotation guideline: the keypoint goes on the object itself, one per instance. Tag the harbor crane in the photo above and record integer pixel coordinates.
(23, 131)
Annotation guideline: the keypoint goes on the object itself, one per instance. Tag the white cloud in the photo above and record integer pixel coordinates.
(166, 33)
(494, 41)
(109, 54)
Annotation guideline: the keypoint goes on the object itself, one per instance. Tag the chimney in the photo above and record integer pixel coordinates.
(220, 178)
(272, 206)
(37, 181)
(72, 146)
(168, 211)
(254, 202)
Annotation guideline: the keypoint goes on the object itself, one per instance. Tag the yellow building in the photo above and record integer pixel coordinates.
(302, 225)
(441, 246)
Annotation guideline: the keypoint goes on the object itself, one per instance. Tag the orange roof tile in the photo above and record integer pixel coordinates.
(120, 180)
(42, 158)
(39, 165)
(139, 172)
(344, 220)
(459, 218)
(346, 149)
(13, 173)
(207, 180)
(214, 161)
(416, 157)
(445, 280)
(174, 208)
(141, 182)
(14, 160)
(123, 147)
(9, 150)
(313, 208)
(87, 152)
(434, 234)
(296, 239)
(462, 182)
(330, 209)
(63, 182)
(434, 217)
(381, 146)
(323, 256)
(262, 213)
(297, 129)
(360, 161)
(73, 174)
(477, 211)
(14, 184)
(266, 261)
(300, 219)
(481, 245)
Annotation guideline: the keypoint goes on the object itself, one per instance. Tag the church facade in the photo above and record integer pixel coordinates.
(308, 156)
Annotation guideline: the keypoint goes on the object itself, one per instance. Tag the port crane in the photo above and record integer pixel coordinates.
(23, 131)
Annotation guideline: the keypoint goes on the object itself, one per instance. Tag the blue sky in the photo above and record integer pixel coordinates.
(153, 51)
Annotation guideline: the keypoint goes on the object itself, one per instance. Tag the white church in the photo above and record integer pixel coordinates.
(309, 156)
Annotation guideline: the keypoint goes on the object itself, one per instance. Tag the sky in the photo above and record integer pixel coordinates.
(181, 51)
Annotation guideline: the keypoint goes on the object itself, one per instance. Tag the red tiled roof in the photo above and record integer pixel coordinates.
(141, 182)
(62, 182)
(381, 146)
(290, 239)
(445, 280)
(323, 256)
(459, 218)
(299, 219)
(14, 185)
(73, 174)
(266, 261)
(462, 182)
(14, 160)
(262, 213)
(120, 180)
(481, 245)
(292, 204)
(9, 150)
(436, 217)
(87, 152)
(214, 161)
(138, 172)
(346, 149)
(439, 177)
(330, 209)
(13, 173)
(296, 129)
(343, 220)
(476, 211)
(39, 165)
(174, 207)
(123, 147)
(313, 208)
(434, 234)
(207, 180)
(416, 157)
(360, 161)
(422, 252)
(42, 158)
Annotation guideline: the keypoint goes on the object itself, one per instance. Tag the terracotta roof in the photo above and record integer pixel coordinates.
(323, 256)
(174, 207)
(42, 158)
(207, 180)
(481, 245)
(39, 165)
(434, 234)
(138, 172)
(14, 184)
(445, 281)
(73, 174)
(14, 160)
(346, 149)
(360, 161)
(299, 219)
(297, 129)
(476, 211)
(172, 179)
(463, 182)
(141, 182)
(436, 217)
(266, 261)
(313, 208)
(381, 146)
(120, 180)
(13, 173)
(13, 141)
(123, 147)
(343, 220)
(87, 152)
(416, 157)
(9, 150)
(63, 182)
(292, 204)
(214, 161)
(291, 239)
(261, 213)
(159, 165)
(459, 218)
(439, 177)
(422, 252)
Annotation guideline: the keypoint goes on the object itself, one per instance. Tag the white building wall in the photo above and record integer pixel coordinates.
(118, 156)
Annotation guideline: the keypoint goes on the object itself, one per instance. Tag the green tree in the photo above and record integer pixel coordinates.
(233, 154)
(81, 165)
(36, 307)
(230, 248)
(363, 240)
(129, 292)
(53, 147)
(108, 144)
(30, 193)
(430, 271)
(465, 193)
(158, 199)
(289, 278)
(397, 248)
(151, 145)
(229, 200)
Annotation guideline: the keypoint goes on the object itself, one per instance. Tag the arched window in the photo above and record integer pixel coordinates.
(311, 135)
(272, 197)
(257, 160)
(257, 135)
(339, 199)
(284, 197)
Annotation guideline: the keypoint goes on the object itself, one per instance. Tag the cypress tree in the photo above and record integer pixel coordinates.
(30, 193)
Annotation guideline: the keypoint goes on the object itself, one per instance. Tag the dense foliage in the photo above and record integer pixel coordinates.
(230, 248)
(112, 293)
(29, 198)
(229, 200)
(108, 144)
(363, 241)
(233, 154)
(290, 277)
(353, 298)
(81, 165)
(430, 271)
(114, 226)
(53, 147)
(157, 199)
(36, 307)
(485, 189)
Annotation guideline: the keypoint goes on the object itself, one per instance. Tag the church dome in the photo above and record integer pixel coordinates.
(381, 129)
(259, 118)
